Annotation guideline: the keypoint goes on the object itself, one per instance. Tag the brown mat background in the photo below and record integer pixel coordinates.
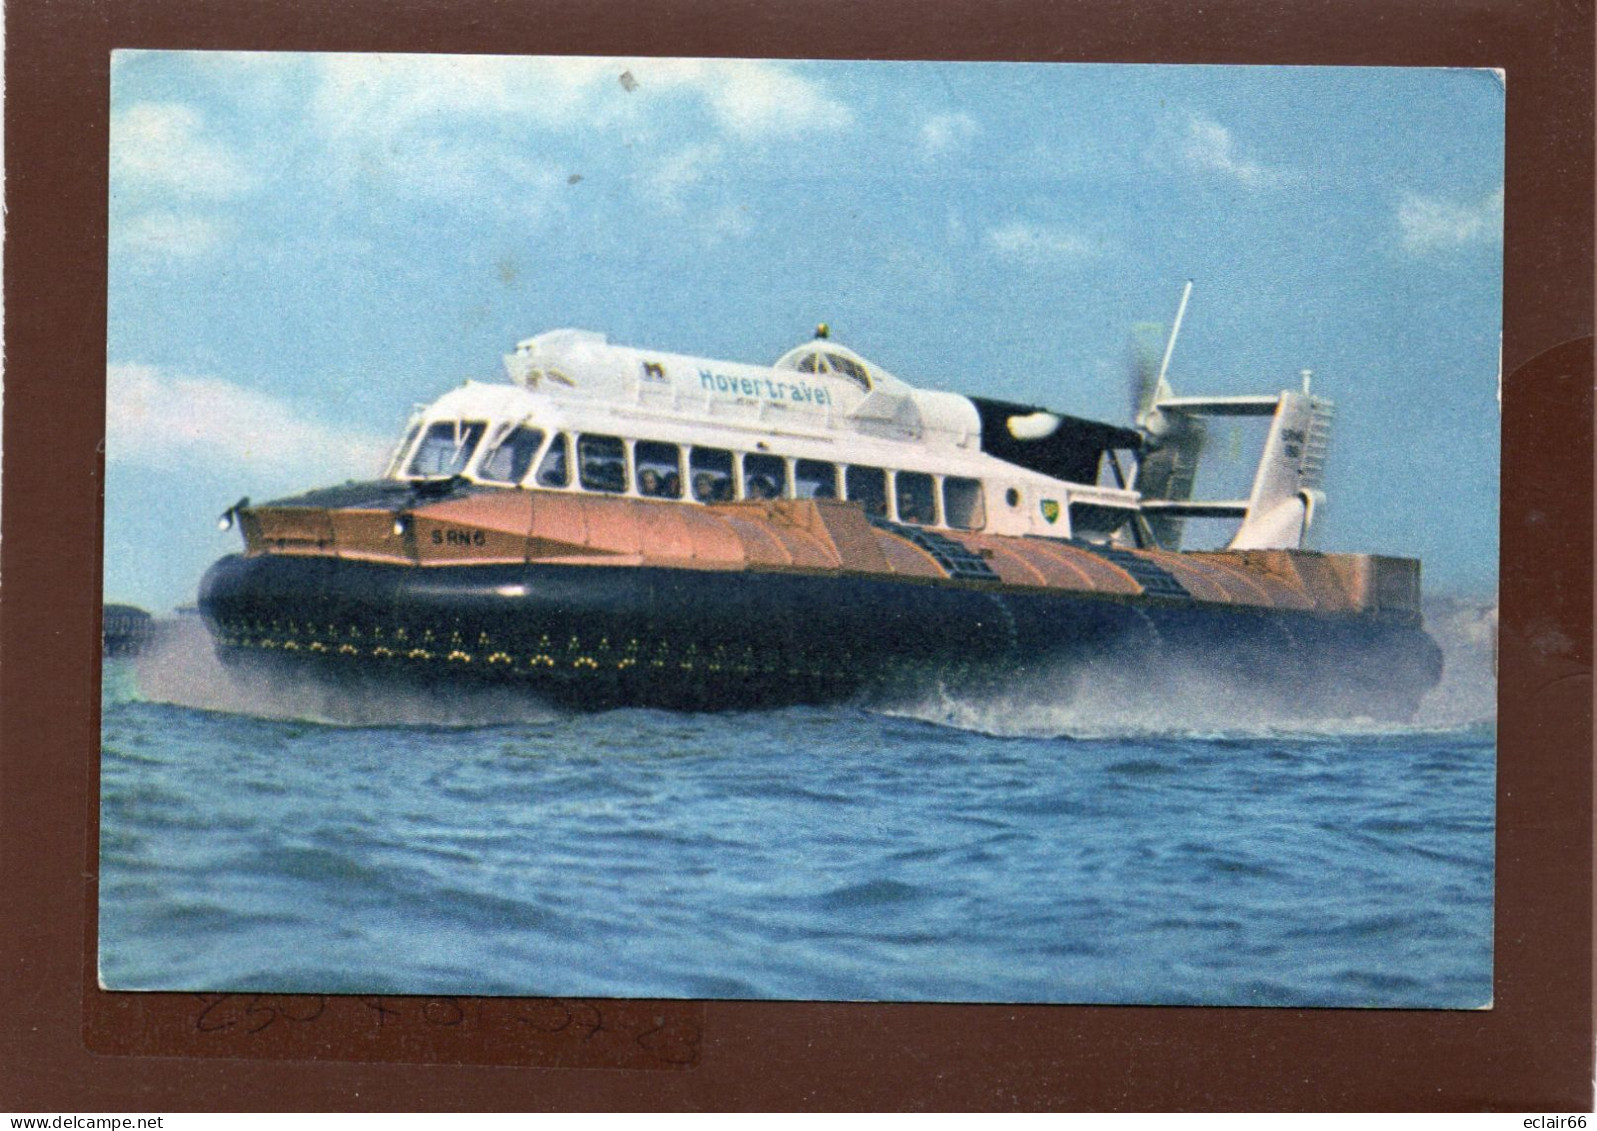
(67, 1046)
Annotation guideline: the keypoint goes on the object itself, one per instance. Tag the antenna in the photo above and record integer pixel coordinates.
(1170, 346)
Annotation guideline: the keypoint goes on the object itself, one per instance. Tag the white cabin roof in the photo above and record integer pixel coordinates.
(821, 386)
(823, 402)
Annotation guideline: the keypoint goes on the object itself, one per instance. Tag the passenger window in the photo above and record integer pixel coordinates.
(810, 363)
(446, 449)
(963, 506)
(659, 469)
(710, 472)
(916, 497)
(555, 470)
(602, 463)
(508, 463)
(868, 485)
(815, 479)
(764, 477)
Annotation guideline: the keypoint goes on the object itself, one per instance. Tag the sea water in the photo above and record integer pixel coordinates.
(1035, 846)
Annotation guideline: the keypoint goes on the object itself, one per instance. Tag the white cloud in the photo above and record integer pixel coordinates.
(379, 95)
(668, 179)
(1430, 223)
(250, 76)
(752, 98)
(943, 133)
(1209, 147)
(164, 146)
(506, 129)
(451, 168)
(730, 222)
(502, 129)
(167, 235)
(172, 422)
(1038, 243)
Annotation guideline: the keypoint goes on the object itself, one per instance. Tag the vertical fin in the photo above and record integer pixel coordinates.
(1286, 488)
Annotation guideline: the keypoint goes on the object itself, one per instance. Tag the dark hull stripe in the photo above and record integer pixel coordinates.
(600, 636)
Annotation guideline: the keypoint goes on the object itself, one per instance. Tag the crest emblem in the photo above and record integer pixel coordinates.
(1050, 510)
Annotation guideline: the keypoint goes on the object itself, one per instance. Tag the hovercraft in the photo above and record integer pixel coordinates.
(621, 526)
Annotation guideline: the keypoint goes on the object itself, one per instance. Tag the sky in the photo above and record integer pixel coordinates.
(305, 246)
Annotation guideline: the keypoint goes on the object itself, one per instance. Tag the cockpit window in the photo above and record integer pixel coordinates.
(508, 463)
(399, 453)
(851, 369)
(446, 449)
(810, 363)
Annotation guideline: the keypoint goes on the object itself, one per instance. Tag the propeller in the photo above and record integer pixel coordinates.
(1172, 442)
(1142, 374)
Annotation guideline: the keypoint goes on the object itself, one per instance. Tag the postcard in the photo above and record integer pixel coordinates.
(668, 528)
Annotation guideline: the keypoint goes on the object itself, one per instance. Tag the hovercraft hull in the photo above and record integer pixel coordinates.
(596, 636)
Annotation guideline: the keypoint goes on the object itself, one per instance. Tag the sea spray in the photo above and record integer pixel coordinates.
(181, 668)
(1467, 633)
(1187, 695)
(1179, 695)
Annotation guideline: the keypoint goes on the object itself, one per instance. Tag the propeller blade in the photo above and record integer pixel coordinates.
(1167, 469)
(1147, 340)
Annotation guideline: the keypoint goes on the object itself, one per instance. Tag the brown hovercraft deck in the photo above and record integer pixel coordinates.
(596, 602)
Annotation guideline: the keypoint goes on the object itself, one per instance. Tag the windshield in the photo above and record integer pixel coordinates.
(509, 462)
(392, 468)
(446, 449)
